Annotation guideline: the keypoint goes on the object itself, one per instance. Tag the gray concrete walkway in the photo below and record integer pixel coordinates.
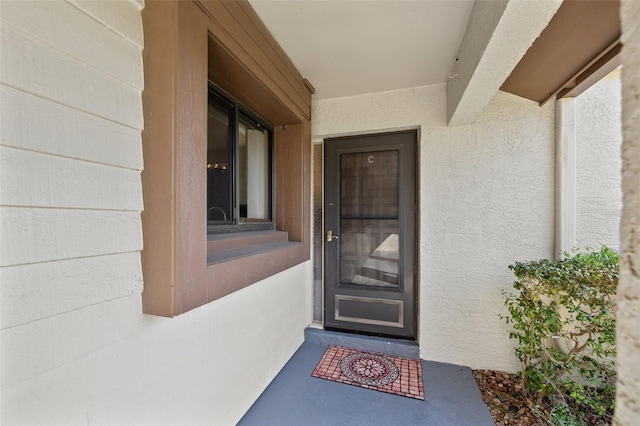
(295, 398)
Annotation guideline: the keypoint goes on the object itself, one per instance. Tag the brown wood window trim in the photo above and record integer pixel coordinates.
(187, 44)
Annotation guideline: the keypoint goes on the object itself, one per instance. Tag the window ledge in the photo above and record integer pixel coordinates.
(236, 254)
(239, 229)
(224, 247)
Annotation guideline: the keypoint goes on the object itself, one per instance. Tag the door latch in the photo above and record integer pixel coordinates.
(330, 236)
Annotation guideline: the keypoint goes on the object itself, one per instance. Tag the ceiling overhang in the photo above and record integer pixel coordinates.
(350, 48)
(498, 35)
(580, 45)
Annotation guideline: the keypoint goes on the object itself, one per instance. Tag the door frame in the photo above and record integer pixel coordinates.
(409, 220)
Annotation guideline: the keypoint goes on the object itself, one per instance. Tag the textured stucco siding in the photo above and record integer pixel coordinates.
(628, 318)
(486, 201)
(75, 345)
(599, 164)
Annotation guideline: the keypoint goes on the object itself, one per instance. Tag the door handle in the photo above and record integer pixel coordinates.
(330, 236)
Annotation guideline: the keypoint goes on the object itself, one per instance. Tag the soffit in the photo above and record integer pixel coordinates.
(348, 48)
(579, 32)
(234, 79)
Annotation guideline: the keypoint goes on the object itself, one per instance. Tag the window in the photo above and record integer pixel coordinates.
(253, 129)
(239, 167)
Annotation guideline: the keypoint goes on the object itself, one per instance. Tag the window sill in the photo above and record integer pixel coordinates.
(248, 227)
(225, 247)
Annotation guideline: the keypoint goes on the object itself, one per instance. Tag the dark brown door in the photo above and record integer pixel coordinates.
(370, 234)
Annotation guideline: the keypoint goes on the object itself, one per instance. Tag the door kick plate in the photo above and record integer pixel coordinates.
(358, 309)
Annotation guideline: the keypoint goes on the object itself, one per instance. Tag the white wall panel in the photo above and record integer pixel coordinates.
(42, 180)
(53, 128)
(78, 35)
(200, 367)
(32, 235)
(40, 69)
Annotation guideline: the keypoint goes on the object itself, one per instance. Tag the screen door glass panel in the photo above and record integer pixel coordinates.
(369, 222)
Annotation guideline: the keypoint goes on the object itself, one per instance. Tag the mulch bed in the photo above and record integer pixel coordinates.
(502, 393)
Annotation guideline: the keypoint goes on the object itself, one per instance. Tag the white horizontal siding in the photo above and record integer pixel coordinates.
(35, 291)
(53, 128)
(70, 191)
(138, 3)
(42, 180)
(30, 65)
(44, 345)
(32, 235)
(120, 16)
(78, 35)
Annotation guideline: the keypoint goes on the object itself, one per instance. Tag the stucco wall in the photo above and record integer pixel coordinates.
(628, 318)
(486, 201)
(599, 164)
(76, 348)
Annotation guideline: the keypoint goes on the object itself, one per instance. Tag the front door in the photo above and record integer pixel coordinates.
(370, 234)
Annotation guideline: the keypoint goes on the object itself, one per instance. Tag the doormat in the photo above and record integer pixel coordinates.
(384, 373)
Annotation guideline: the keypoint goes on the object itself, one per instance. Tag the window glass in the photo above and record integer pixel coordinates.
(254, 182)
(219, 163)
(238, 166)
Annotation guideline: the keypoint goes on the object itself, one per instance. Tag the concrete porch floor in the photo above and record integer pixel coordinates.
(295, 398)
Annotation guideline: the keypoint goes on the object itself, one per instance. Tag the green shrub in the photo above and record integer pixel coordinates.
(563, 318)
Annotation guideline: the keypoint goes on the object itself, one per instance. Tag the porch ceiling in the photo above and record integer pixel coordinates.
(353, 47)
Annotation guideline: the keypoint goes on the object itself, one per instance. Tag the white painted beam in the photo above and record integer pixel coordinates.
(498, 35)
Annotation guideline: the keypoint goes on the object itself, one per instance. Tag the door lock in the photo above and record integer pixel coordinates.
(330, 236)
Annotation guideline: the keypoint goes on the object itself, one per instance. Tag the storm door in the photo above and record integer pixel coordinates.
(370, 234)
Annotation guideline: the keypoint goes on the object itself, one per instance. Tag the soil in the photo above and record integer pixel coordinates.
(502, 392)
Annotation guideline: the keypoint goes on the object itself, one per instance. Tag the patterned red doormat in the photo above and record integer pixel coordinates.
(384, 373)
